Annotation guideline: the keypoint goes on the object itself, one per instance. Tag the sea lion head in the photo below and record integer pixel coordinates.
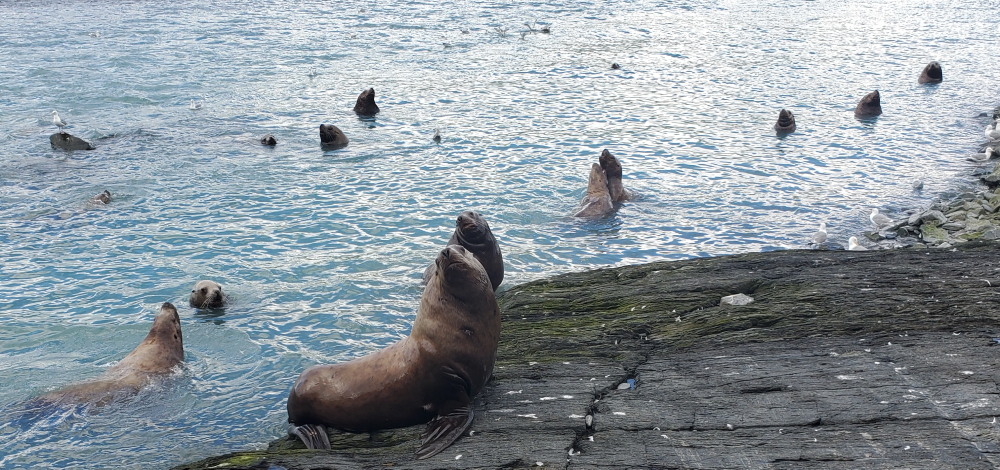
(473, 232)
(163, 347)
(207, 294)
(869, 106)
(931, 73)
(365, 106)
(331, 136)
(611, 166)
(598, 182)
(461, 272)
(786, 122)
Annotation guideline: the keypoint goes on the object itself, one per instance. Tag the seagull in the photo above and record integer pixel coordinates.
(194, 105)
(918, 185)
(986, 155)
(58, 121)
(853, 245)
(992, 132)
(820, 236)
(880, 220)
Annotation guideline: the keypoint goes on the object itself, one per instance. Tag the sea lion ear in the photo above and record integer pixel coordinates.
(443, 430)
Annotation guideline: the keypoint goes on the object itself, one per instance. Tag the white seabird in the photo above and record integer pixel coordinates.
(820, 236)
(880, 220)
(194, 105)
(58, 121)
(992, 132)
(983, 156)
(853, 245)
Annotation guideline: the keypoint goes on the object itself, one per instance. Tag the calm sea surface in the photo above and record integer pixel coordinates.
(322, 251)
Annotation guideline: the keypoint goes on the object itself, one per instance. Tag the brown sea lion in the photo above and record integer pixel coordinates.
(869, 106)
(613, 172)
(365, 105)
(207, 294)
(155, 357)
(331, 136)
(786, 122)
(473, 233)
(597, 202)
(931, 73)
(103, 198)
(431, 375)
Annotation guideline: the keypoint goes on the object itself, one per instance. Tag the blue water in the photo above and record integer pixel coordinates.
(322, 251)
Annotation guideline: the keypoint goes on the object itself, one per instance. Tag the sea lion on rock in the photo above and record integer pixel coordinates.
(869, 106)
(931, 73)
(331, 136)
(365, 105)
(431, 375)
(786, 122)
(207, 294)
(597, 202)
(155, 357)
(66, 141)
(613, 172)
(474, 234)
(269, 140)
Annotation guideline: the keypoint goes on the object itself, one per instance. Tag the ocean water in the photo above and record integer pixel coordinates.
(321, 251)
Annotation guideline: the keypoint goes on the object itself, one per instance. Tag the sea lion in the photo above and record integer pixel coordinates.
(786, 122)
(331, 136)
(207, 294)
(269, 140)
(365, 105)
(474, 234)
(931, 73)
(67, 141)
(613, 172)
(103, 198)
(431, 375)
(869, 106)
(597, 202)
(154, 357)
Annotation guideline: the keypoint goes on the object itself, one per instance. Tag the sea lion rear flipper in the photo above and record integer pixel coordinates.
(443, 430)
(312, 435)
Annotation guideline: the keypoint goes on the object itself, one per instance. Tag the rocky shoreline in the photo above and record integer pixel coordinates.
(974, 215)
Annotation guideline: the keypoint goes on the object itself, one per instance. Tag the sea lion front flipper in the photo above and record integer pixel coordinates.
(443, 430)
(312, 435)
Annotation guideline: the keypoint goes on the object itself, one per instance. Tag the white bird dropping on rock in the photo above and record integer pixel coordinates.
(853, 245)
(880, 220)
(820, 236)
(736, 299)
(58, 121)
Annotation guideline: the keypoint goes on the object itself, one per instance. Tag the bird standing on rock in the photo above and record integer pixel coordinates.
(880, 220)
(820, 236)
(58, 121)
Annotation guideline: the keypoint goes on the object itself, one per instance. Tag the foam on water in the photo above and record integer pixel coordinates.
(322, 251)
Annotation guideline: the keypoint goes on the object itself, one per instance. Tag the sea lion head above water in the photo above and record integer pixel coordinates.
(597, 202)
(207, 294)
(473, 233)
(613, 172)
(331, 136)
(365, 106)
(869, 106)
(931, 73)
(786, 122)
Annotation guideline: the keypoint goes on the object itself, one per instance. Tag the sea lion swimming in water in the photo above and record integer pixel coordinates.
(332, 137)
(869, 106)
(613, 172)
(431, 375)
(474, 234)
(103, 198)
(365, 106)
(269, 140)
(931, 73)
(597, 202)
(155, 356)
(786, 122)
(207, 294)
(66, 141)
